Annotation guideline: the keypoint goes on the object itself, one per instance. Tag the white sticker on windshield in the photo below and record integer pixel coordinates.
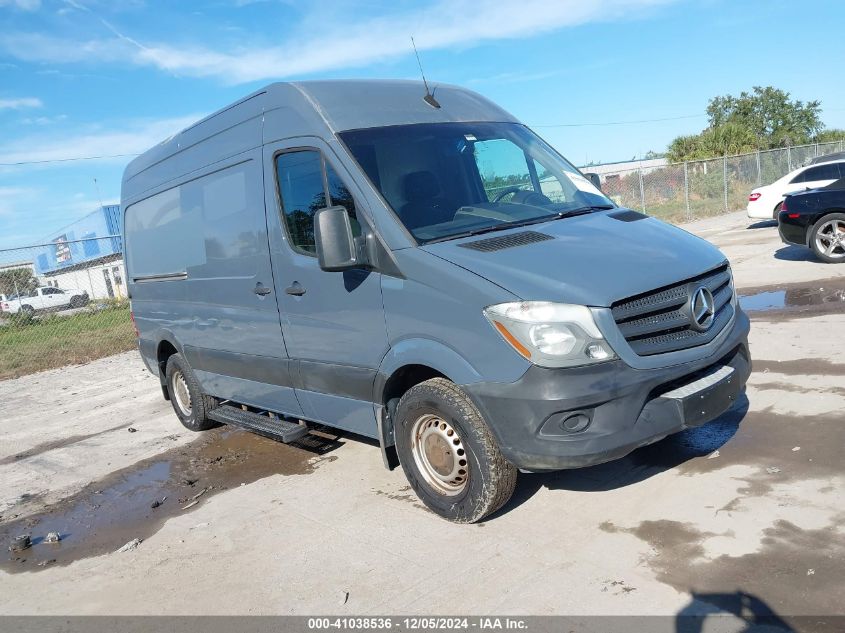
(470, 137)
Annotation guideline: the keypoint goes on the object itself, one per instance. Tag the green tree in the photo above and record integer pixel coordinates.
(764, 118)
(724, 140)
(17, 280)
(769, 113)
(829, 136)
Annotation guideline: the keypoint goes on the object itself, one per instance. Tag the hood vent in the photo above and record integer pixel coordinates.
(627, 216)
(506, 241)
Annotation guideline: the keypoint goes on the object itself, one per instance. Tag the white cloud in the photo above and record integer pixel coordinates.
(339, 42)
(24, 5)
(20, 104)
(39, 47)
(43, 120)
(130, 138)
(10, 197)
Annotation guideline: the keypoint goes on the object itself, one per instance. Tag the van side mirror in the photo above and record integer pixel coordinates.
(336, 247)
(594, 178)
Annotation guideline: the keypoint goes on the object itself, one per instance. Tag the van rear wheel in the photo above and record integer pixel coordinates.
(449, 455)
(189, 402)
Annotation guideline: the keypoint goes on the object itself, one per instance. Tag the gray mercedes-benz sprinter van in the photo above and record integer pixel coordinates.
(427, 272)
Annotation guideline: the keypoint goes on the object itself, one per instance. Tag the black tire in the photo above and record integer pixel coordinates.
(27, 309)
(490, 479)
(75, 302)
(778, 207)
(200, 404)
(814, 233)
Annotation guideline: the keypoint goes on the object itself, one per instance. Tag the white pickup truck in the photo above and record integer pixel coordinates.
(46, 298)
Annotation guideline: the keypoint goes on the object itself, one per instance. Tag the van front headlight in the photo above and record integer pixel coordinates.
(551, 334)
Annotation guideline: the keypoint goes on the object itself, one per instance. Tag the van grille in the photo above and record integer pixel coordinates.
(507, 241)
(659, 321)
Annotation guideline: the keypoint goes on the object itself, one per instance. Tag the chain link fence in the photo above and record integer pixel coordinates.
(61, 303)
(695, 189)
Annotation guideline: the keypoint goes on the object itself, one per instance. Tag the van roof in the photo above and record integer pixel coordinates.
(288, 109)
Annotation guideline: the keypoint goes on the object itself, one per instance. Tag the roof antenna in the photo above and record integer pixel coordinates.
(428, 98)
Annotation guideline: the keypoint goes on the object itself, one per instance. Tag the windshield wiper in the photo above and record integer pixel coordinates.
(584, 210)
(518, 223)
(495, 227)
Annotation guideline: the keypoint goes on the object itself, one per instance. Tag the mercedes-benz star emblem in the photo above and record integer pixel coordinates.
(702, 309)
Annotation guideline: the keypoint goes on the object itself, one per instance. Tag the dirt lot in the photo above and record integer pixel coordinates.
(745, 510)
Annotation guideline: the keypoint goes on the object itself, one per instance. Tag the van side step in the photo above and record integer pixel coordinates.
(276, 428)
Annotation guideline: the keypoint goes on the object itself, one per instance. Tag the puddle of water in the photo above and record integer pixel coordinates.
(815, 297)
(767, 300)
(800, 367)
(136, 501)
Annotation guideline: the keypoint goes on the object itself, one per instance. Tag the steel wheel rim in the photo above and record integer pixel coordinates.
(439, 455)
(181, 393)
(830, 239)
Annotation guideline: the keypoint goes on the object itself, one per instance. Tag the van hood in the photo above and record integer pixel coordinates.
(593, 259)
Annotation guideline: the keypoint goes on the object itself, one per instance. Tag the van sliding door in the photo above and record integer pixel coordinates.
(204, 244)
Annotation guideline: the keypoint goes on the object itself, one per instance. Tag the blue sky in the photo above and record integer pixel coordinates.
(81, 78)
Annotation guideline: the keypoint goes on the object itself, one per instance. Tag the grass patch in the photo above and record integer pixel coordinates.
(51, 341)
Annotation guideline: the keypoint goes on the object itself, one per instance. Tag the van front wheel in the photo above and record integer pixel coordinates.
(449, 455)
(189, 402)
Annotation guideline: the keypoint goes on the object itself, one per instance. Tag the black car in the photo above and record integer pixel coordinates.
(815, 218)
(827, 158)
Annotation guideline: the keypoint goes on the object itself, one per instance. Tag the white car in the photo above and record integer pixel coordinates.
(764, 202)
(46, 298)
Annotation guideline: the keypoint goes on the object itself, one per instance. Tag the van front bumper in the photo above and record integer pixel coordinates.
(553, 419)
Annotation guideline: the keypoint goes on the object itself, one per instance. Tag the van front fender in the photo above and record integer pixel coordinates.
(419, 351)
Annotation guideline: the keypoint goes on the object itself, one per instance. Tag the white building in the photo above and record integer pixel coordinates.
(87, 254)
(101, 278)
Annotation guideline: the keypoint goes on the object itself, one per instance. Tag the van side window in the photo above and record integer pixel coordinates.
(303, 179)
(208, 227)
(339, 196)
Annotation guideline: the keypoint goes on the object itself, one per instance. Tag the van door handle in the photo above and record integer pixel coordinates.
(295, 289)
(261, 290)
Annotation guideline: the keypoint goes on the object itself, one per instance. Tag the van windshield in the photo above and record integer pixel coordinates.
(448, 180)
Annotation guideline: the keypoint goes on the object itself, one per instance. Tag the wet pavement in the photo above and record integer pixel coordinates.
(134, 503)
(795, 300)
(795, 566)
(801, 571)
(743, 515)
